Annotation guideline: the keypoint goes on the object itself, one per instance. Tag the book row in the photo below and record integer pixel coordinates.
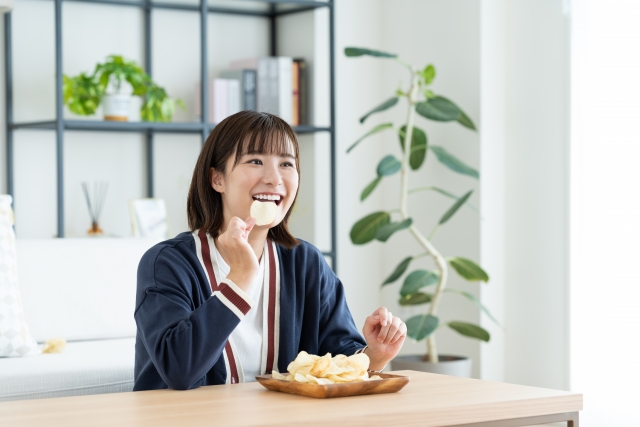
(276, 85)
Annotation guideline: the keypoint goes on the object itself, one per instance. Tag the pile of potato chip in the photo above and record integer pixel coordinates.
(309, 368)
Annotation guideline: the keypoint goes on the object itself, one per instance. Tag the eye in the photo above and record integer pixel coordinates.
(255, 161)
(287, 164)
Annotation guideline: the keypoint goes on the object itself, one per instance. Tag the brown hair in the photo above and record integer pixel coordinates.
(268, 134)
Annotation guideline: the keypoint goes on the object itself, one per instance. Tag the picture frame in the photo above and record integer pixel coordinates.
(149, 218)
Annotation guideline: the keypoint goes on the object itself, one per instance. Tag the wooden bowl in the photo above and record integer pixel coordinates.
(388, 384)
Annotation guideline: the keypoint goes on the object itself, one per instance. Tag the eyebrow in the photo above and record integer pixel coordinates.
(290, 156)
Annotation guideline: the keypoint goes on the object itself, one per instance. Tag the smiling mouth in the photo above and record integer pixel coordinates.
(268, 198)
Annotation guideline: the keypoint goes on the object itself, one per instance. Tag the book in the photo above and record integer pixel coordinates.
(295, 93)
(285, 91)
(224, 99)
(220, 100)
(303, 92)
(233, 97)
(247, 79)
(273, 77)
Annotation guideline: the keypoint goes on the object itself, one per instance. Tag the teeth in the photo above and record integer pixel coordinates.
(267, 197)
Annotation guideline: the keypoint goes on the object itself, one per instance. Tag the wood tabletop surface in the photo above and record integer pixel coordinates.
(428, 400)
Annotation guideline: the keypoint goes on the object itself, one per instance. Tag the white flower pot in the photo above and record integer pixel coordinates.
(116, 107)
(447, 365)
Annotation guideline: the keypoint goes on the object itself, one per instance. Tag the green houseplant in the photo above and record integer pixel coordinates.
(83, 93)
(421, 102)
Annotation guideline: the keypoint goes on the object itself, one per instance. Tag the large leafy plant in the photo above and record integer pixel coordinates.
(417, 285)
(83, 93)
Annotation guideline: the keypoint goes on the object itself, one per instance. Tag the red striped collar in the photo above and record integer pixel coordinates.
(206, 251)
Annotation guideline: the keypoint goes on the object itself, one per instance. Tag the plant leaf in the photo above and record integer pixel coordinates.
(386, 231)
(369, 188)
(418, 146)
(421, 326)
(465, 121)
(366, 228)
(468, 269)
(388, 166)
(399, 271)
(439, 109)
(384, 106)
(469, 330)
(452, 210)
(452, 162)
(474, 300)
(462, 118)
(416, 299)
(418, 280)
(444, 193)
(359, 51)
(428, 74)
(375, 130)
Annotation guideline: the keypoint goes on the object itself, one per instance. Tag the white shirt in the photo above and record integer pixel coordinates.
(247, 336)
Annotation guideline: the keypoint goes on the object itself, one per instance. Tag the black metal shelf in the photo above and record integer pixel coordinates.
(281, 7)
(108, 126)
(267, 9)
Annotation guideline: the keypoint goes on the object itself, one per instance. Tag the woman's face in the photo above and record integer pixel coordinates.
(270, 178)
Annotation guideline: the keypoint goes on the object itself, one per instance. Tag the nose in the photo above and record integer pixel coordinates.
(272, 174)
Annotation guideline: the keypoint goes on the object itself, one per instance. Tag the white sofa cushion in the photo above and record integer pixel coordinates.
(15, 339)
(86, 367)
(80, 288)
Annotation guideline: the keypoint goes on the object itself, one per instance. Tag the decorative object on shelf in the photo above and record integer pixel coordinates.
(6, 6)
(380, 225)
(95, 202)
(15, 339)
(83, 93)
(149, 218)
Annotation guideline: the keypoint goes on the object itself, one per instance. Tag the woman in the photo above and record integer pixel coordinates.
(230, 300)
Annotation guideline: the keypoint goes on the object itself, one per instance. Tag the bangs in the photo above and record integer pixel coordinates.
(267, 136)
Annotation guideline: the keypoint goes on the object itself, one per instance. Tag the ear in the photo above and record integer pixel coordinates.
(215, 179)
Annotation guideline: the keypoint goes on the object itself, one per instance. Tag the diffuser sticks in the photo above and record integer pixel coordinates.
(95, 202)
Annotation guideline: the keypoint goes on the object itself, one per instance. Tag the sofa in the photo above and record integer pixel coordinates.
(82, 290)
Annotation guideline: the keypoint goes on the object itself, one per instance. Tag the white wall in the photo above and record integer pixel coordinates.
(605, 181)
(493, 183)
(358, 87)
(525, 152)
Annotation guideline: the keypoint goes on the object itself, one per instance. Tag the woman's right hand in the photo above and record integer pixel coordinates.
(238, 253)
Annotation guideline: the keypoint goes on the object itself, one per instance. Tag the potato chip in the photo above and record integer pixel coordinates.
(312, 369)
(278, 376)
(360, 362)
(300, 378)
(324, 381)
(302, 363)
(311, 379)
(321, 366)
(263, 212)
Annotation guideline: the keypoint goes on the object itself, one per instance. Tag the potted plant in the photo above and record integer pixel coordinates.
(83, 93)
(422, 102)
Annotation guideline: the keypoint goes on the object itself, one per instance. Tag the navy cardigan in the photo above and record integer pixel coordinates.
(181, 330)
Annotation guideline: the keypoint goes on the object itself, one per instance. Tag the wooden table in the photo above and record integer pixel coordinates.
(428, 400)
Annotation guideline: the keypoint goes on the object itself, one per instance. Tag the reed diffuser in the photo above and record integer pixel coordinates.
(95, 202)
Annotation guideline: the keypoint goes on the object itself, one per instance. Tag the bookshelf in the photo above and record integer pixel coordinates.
(270, 10)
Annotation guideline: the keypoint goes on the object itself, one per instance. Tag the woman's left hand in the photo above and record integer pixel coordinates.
(385, 335)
